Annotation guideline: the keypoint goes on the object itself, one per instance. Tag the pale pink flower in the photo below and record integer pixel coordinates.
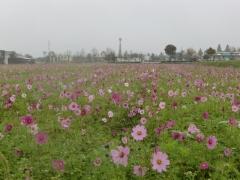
(65, 123)
(110, 114)
(97, 162)
(120, 155)
(235, 108)
(124, 140)
(160, 161)
(171, 93)
(227, 152)
(139, 132)
(143, 120)
(192, 129)
(91, 98)
(58, 165)
(162, 105)
(211, 142)
(139, 170)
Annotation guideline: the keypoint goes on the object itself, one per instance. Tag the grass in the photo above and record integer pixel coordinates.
(230, 63)
(88, 137)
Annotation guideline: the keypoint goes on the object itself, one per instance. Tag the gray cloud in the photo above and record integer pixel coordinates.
(144, 25)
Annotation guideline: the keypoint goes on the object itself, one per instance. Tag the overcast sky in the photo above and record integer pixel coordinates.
(145, 25)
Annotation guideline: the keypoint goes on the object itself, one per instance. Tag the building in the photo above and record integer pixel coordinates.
(224, 55)
(11, 57)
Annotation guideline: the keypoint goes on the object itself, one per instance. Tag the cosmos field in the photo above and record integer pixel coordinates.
(112, 121)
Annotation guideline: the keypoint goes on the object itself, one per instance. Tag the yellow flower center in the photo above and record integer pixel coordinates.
(159, 162)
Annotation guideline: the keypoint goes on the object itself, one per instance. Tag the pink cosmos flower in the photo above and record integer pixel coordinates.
(116, 98)
(8, 128)
(205, 115)
(73, 106)
(203, 166)
(179, 136)
(120, 155)
(139, 170)
(192, 129)
(233, 122)
(200, 137)
(58, 165)
(160, 161)
(41, 138)
(139, 132)
(211, 142)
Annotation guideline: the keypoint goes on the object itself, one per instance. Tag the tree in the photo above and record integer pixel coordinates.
(227, 49)
(170, 50)
(191, 54)
(109, 55)
(211, 52)
(219, 48)
(200, 53)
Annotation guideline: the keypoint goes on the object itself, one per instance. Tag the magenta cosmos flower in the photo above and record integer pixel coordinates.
(120, 155)
(160, 161)
(203, 166)
(116, 98)
(41, 138)
(139, 132)
(27, 120)
(211, 142)
(139, 170)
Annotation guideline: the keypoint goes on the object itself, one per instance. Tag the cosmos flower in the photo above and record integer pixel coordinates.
(120, 155)
(227, 152)
(41, 138)
(192, 129)
(27, 120)
(73, 106)
(233, 122)
(97, 162)
(211, 142)
(139, 132)
(143, 120)
(124, 140)
(8, 128)
(116, 98)
(110, 114)
(199, 137)
(160, 161)
(205, 115)
(203, 166)
(179, 136)
(139, 170)
(162, 105)
(58, 165)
